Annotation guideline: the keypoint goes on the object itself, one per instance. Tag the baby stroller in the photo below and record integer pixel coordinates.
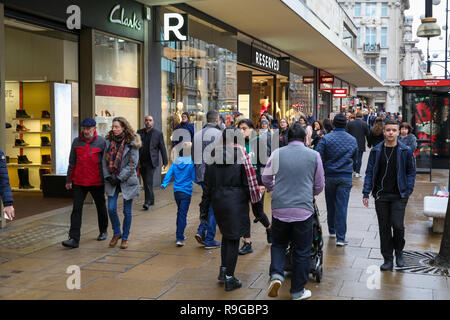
(316, 249)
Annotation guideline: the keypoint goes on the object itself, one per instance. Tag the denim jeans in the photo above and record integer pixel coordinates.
(210, 229)
(114, 217)
(183, 201)
(337, 194)
(300, 235)
(357, 164)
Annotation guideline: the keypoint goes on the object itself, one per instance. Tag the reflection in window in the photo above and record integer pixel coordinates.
(300, 96)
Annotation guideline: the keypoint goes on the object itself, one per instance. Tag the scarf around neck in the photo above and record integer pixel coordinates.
(255, 195)
(115, 153)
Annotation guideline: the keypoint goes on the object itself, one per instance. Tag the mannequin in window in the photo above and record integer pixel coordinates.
(265, 104)
(198, 123)
(178, 113)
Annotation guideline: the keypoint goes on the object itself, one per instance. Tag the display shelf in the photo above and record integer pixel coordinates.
(25, 132)
(25, 190)
(32, 119)
(28, 165)
(24, 147)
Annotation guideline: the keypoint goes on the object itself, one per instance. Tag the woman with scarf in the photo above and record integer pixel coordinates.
(120, 161)
(255, 146)
(230, 183)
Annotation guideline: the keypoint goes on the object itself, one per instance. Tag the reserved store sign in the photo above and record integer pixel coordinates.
(265, 60)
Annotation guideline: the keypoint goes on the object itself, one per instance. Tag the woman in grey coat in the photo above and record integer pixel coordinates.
(406, 137)
(120, 161)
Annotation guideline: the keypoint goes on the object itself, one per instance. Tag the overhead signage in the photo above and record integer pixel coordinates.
(118, 16)
(328, 87)
(340, 93)
(308, 80)
(176, 27)
(265, 60)
(326, 79)
(426, 83)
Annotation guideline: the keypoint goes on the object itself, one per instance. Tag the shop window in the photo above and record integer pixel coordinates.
(117, 81)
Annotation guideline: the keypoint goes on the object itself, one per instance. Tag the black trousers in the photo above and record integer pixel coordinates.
(147, 171)
(229, 251)
(260, 215)
(79, 194)
(391, 215)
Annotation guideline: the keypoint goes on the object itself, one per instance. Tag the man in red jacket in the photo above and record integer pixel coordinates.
(85, 175)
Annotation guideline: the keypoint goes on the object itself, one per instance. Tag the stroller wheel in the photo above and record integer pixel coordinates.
(319, 274)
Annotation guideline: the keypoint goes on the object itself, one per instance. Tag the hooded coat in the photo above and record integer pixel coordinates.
(129, 181)
(226, 188)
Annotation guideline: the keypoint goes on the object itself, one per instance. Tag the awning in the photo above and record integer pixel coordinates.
(293, 28)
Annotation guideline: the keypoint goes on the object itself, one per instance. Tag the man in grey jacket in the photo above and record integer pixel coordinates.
(293, 208)
(206, 140)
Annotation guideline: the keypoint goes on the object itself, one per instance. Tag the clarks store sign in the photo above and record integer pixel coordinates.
(118, 16)
(266, 61)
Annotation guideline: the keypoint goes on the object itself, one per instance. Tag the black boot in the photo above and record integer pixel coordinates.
(232, 283)
(399, 260)
(26, 179)
(21, 180)
(71, 243)
(222, 273)
(388, 265)
(45, 142)
(45, 114)
(246, 248)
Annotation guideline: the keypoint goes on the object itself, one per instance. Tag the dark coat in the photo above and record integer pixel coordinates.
(360, 131)
(157, 145)
(187, 126)
(5, 188)
(226, 188)
(406, 170)
(283, 138)
(374, 140)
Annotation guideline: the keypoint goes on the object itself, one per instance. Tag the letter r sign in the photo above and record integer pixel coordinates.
(175, 27)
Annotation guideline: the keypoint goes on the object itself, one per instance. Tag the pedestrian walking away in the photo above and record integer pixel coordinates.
(390, 177)
(292, 209)
(85, 175)
(206, 138)
(338, 151)
(255, 146)
(407, 137)
(358, 129)
(120, 162)
(152, 145)
(376, 135)
(229, 186)
(5, 189)
(183, 171)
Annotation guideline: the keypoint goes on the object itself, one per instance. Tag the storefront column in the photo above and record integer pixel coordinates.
(87, 74)
(2, 94)
(316, 94)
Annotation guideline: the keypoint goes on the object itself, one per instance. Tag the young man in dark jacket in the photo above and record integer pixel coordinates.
(152, 145)
(338, 150)
(390, 176)
(85, 174)
(360, 131)
(5, 189)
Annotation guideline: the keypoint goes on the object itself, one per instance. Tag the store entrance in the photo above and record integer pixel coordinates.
(41, 110)
(261, 92)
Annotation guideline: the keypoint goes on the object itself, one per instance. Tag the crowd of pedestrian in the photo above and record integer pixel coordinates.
(235, 167)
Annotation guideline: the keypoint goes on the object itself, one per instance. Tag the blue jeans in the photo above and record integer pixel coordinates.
(183, 201)
(210, 229)
(114, 217)
(300, 235)
(337, 194)
(357, 164)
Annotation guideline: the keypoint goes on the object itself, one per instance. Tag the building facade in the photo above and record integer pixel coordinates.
(386, 45)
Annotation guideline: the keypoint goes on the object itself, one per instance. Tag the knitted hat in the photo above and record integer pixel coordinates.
(340, 121)
(88, 122)
(264, 121)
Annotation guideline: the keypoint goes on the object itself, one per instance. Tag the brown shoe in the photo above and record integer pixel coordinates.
(114, 240)
(124, 244)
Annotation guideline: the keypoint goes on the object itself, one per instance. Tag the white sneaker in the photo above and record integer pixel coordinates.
(341, 243)
(306, 294)
(180, 243)
(273, 288)
(332, 235)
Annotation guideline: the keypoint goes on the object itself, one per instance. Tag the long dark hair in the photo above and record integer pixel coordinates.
(377, 128)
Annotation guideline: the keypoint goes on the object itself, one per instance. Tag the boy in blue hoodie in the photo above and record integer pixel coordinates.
(183, 171)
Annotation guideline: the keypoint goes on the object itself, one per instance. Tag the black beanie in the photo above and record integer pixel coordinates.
(339, 121)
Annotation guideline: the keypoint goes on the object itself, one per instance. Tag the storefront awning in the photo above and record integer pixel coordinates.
(293, 28)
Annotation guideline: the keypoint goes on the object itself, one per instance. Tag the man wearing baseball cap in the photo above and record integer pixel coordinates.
(85, 175)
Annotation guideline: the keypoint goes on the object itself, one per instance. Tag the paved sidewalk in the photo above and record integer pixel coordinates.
(33, 263)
